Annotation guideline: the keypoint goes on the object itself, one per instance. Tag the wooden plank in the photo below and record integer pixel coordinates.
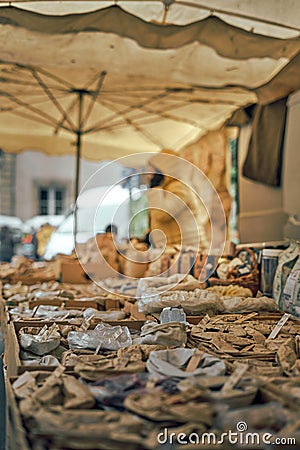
(13, 362)
(132, 309)
(3, 313)
(112, 303)
(16, 433)
(194, 361)
(12, 350)
(38, 323)
(131, 324)
(67, 303)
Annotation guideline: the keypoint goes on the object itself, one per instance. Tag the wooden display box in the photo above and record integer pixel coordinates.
(72, 272)
(66, 303)
(12, 353)
(132, 309)
(102, 303)
(16, 434)
(3, 315)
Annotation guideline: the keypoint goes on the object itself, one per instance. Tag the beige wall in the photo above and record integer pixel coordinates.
(261, 216)
(264, 209)
(33, 168)
(291, 162)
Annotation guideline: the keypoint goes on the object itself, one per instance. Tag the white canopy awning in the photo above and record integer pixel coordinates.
(138, 76)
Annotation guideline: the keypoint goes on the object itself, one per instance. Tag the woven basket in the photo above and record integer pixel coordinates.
(251, 280)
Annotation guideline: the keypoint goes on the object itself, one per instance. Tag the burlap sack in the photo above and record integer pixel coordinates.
(172, 334)
(173, 363)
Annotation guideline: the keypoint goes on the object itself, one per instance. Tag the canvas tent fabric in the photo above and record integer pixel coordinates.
(132, 77)
(268, 133)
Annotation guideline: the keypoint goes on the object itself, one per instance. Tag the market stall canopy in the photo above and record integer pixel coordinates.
(133, 77)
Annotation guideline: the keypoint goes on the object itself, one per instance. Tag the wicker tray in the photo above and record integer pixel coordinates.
(251, 280)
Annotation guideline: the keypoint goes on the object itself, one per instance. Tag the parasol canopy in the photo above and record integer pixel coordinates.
(115, 78)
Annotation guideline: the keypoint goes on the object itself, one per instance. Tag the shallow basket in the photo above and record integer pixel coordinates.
(251, 280)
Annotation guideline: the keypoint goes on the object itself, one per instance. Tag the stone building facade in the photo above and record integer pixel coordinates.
(7, 184)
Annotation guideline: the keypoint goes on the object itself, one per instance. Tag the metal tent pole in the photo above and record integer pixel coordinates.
(78, 156)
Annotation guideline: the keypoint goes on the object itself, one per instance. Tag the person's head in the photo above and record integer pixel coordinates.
(158, 165)
(111, 228)
(5, 230)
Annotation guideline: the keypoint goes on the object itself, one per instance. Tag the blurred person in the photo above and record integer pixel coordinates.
(29, 243)
(6, 244)
(112, 229)
(34, 243)
(42, 236)
(106, 243)
(175, 210)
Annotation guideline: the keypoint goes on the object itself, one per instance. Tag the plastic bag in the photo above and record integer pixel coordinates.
(166, 334)
(157, 284)
(286, 262)
(35, 343)
(173, 363)
(104, 335)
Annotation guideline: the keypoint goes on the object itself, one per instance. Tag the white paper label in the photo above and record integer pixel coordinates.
(279, 325)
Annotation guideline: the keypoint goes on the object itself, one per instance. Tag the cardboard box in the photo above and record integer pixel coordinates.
(100, 270)
(133, 310)
(16, 434)
(66, 302)
(72, 272)
(12, 353)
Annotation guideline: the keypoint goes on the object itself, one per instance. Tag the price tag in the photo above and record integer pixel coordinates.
(205, 320)
(43, 330)
(56, 374)
(247, 317)
(116, 334)
(194, 361)
(48, 332)
(248, 348)
(98, 348)
(35, 310)
(279, 325)
(85, 324)
(244, 270)
(53, 329)
(297, 343)
(215, 320)
(235, 377)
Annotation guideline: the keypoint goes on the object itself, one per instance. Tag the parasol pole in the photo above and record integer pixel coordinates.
(78, 156)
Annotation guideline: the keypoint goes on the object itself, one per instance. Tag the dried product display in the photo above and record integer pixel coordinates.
(61, 410)
(77, 357)
(206, 301)
(26, 271)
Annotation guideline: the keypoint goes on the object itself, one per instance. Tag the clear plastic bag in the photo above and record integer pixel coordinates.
(158, 284)
(147, 303)
(104, 335)
(35, 343)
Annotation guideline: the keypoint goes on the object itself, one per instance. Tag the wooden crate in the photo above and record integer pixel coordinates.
(12, 353)
(3, 313)
(132, 309)
(16, 434)
(67, 303)
(12, 350)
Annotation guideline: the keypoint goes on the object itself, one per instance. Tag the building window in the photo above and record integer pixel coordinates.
(59, 201)
(51, 200)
